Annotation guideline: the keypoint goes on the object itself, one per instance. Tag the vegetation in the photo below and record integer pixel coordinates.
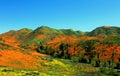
(60, 52)
(59, 67)
(106, 30)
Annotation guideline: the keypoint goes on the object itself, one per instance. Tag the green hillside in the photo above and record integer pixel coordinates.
(105, 30)
(49, 33)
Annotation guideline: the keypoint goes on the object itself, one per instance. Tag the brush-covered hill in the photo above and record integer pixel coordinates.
(70, 32)
(13, 36)
(105, 30)
(18, 49)
(44, 33)
(53, 32)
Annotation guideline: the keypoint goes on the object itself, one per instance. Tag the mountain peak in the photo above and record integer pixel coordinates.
(44, 27)
(25, 29)
(106, 26)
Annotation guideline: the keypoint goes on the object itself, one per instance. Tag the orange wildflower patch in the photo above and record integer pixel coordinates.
(16, 59)
(40, 36)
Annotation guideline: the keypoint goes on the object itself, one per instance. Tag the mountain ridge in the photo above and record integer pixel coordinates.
(45, 33)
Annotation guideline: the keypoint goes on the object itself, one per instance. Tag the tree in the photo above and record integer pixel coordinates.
(89, 46)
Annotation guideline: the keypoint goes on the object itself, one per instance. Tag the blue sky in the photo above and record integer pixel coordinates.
(84, 15)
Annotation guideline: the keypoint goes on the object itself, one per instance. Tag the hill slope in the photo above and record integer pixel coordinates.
(15, 37)
(105, 30)
(45, 33)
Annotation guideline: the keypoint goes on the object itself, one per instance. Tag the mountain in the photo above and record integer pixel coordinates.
(105, 30)
(51, 31)
(13, 37)
(44, 30)
(70, 32)
(45, 33)
(41, 34)
(22, 49)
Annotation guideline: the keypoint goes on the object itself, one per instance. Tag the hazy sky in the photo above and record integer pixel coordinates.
(84, 15)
